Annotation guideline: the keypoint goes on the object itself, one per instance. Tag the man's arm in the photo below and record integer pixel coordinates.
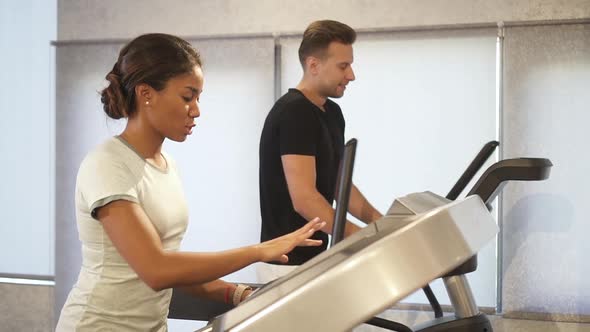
(360, 207)
(300, 174)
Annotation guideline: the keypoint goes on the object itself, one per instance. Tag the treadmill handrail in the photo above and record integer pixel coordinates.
(343, 191)
(480, 159)
(483, 155)
(492, 181)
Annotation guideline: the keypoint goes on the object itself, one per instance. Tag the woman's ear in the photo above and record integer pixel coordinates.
(144, 93)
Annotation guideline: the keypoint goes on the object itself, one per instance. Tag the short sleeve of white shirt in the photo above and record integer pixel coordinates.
(104, 178)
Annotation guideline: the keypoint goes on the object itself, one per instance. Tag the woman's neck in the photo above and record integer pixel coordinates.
(148, 143)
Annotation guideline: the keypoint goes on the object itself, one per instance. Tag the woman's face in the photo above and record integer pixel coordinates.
(172, 111)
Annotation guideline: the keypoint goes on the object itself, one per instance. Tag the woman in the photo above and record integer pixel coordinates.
(130, 208)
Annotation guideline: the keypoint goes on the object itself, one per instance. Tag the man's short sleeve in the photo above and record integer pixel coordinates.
(298, 131)
(103, 179)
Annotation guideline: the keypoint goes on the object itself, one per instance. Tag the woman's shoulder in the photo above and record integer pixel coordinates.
(109, 151)
(109, 156)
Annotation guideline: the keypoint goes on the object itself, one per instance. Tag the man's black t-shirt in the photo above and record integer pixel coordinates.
(296, 126)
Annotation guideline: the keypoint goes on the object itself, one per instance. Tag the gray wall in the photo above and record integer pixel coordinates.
(85, 20)
(26, 308)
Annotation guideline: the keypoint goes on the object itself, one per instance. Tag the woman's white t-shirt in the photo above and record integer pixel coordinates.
(109, 296)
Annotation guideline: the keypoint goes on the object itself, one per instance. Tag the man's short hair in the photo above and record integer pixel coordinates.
(318, 36)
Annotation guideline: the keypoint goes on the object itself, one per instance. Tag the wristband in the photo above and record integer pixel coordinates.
(226, 297)
(240, 289)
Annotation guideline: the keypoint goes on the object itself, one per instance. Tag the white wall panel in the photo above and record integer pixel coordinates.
(218, 163)
(81, 124)
(422, 106)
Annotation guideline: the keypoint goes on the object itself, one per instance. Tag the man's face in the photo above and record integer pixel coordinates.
(334, 71)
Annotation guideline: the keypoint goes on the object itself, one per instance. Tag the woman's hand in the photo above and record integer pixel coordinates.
(277, 249)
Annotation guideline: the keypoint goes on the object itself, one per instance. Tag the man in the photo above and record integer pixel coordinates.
(302, 143)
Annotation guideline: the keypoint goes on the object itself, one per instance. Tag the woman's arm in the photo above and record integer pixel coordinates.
(216, 290)
(136, 239)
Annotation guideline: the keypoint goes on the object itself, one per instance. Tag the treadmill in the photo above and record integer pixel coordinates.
(423, 237)
(466, 317)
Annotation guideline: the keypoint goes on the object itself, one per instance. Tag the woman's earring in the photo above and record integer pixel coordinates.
(147, 102)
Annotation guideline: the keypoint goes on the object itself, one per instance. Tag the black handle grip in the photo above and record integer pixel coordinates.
(520, 169)
(343, 190)
(483, 155)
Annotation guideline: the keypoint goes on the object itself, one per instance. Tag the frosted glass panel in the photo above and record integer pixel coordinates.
(546, 224)
(26, 136)
(422, 106)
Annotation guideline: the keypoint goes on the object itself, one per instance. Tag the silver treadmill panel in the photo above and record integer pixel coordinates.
(368, 271)
(417, 203)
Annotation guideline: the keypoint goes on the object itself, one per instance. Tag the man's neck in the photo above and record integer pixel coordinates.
(310, 93)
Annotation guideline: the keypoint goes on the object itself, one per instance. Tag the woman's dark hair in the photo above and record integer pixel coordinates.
(152, 59)
(318, 36)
